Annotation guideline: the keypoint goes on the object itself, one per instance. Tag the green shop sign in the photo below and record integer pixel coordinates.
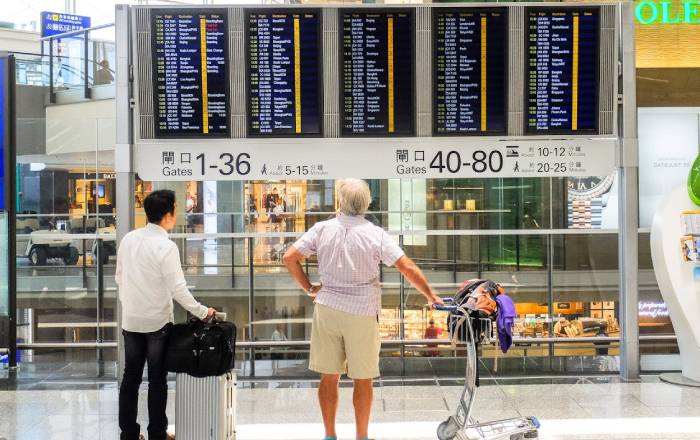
(668, 12)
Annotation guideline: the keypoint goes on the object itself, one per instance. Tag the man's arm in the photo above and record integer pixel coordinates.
(177, 285)
(292, 259)
(415, 276)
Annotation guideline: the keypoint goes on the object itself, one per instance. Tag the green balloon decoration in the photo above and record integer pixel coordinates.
(694, 182)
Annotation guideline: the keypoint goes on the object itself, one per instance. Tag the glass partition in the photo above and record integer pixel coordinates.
(66, 213)
(455, 229)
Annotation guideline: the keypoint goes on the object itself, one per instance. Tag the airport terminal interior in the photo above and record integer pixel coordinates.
(550, 147)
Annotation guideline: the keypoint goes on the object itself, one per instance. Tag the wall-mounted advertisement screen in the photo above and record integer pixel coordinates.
(562, 70)
(190, 72)
(471, 71)
(284, 79)
(377, 71)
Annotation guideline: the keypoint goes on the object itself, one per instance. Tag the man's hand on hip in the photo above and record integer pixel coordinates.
(313, 290)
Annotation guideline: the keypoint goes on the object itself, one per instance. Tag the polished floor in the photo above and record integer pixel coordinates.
(574, 408)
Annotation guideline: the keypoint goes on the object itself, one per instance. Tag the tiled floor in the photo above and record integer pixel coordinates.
(590, 409)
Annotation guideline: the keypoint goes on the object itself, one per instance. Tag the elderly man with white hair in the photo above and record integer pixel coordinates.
(345, 330)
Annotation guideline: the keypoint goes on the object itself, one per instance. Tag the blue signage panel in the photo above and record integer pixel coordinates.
(470, 84)
(284, 57)
(562, 70)
(54, 23)
(190, 72)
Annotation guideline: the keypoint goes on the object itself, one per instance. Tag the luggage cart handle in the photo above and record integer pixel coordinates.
(447, 307)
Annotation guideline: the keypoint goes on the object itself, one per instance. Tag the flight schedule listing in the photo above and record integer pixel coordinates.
(377, 75)
(190, 73)
(562, 66)
(470, 85)
(283, 73)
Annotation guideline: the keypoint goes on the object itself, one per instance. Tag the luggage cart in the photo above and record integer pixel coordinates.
(461, 425)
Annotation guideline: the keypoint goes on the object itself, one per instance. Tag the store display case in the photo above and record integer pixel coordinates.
(416, 322)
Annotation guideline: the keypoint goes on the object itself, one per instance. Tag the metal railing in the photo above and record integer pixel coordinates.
(251, 270)
(384, 342)
(77, 60)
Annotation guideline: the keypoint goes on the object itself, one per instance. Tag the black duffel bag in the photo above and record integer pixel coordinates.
(201, 348)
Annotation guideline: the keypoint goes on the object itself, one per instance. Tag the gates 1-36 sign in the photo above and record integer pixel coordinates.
(373, 159)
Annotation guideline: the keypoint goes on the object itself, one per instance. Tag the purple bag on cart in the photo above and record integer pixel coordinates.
(505, 319)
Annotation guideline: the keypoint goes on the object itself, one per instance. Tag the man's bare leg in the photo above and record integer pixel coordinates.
(328, 399)
(362, 400)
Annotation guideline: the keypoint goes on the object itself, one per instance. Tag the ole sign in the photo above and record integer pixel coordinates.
(668, 12)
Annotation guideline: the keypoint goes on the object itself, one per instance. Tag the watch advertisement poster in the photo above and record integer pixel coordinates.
(668, 145)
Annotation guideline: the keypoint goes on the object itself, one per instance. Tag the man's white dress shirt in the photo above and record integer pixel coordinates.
(150, 277)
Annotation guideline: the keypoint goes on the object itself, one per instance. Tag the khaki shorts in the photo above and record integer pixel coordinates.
(344, 343)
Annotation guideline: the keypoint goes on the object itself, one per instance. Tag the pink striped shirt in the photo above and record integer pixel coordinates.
(349, 250)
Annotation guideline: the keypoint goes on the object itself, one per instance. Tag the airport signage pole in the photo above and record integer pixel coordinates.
(123, 161)
(628, 184)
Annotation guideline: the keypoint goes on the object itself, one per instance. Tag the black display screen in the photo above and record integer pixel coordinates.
(284, 57)
(377, 73)
(471, 70)
(562, 70)
(190, 72)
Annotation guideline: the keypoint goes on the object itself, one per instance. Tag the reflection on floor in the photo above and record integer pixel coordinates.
(584, 408)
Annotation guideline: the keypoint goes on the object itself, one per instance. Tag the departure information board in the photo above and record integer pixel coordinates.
(562, 70)
(284, 73)
(190, 72)
(377, 73)
(470, 82)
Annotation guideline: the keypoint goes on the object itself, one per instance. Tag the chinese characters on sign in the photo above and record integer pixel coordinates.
(409, 159)
(54, 23)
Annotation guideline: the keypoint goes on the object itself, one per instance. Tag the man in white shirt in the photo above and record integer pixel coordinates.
(150, 277)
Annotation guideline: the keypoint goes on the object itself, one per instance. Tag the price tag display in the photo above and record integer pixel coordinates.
(406, 158)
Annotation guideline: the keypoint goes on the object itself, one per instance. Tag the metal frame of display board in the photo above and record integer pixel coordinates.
(620, 90)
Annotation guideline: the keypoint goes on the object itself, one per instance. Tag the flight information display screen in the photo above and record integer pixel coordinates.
(190, 72)
(471, 69)
(284, 56)
(562, 70)
(377, 73)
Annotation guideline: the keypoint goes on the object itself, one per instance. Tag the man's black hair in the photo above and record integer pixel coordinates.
(158, 203)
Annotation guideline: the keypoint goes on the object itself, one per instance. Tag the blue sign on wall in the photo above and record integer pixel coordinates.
(54, 23)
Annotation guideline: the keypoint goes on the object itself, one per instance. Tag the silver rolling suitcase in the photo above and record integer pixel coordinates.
(205, 407)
